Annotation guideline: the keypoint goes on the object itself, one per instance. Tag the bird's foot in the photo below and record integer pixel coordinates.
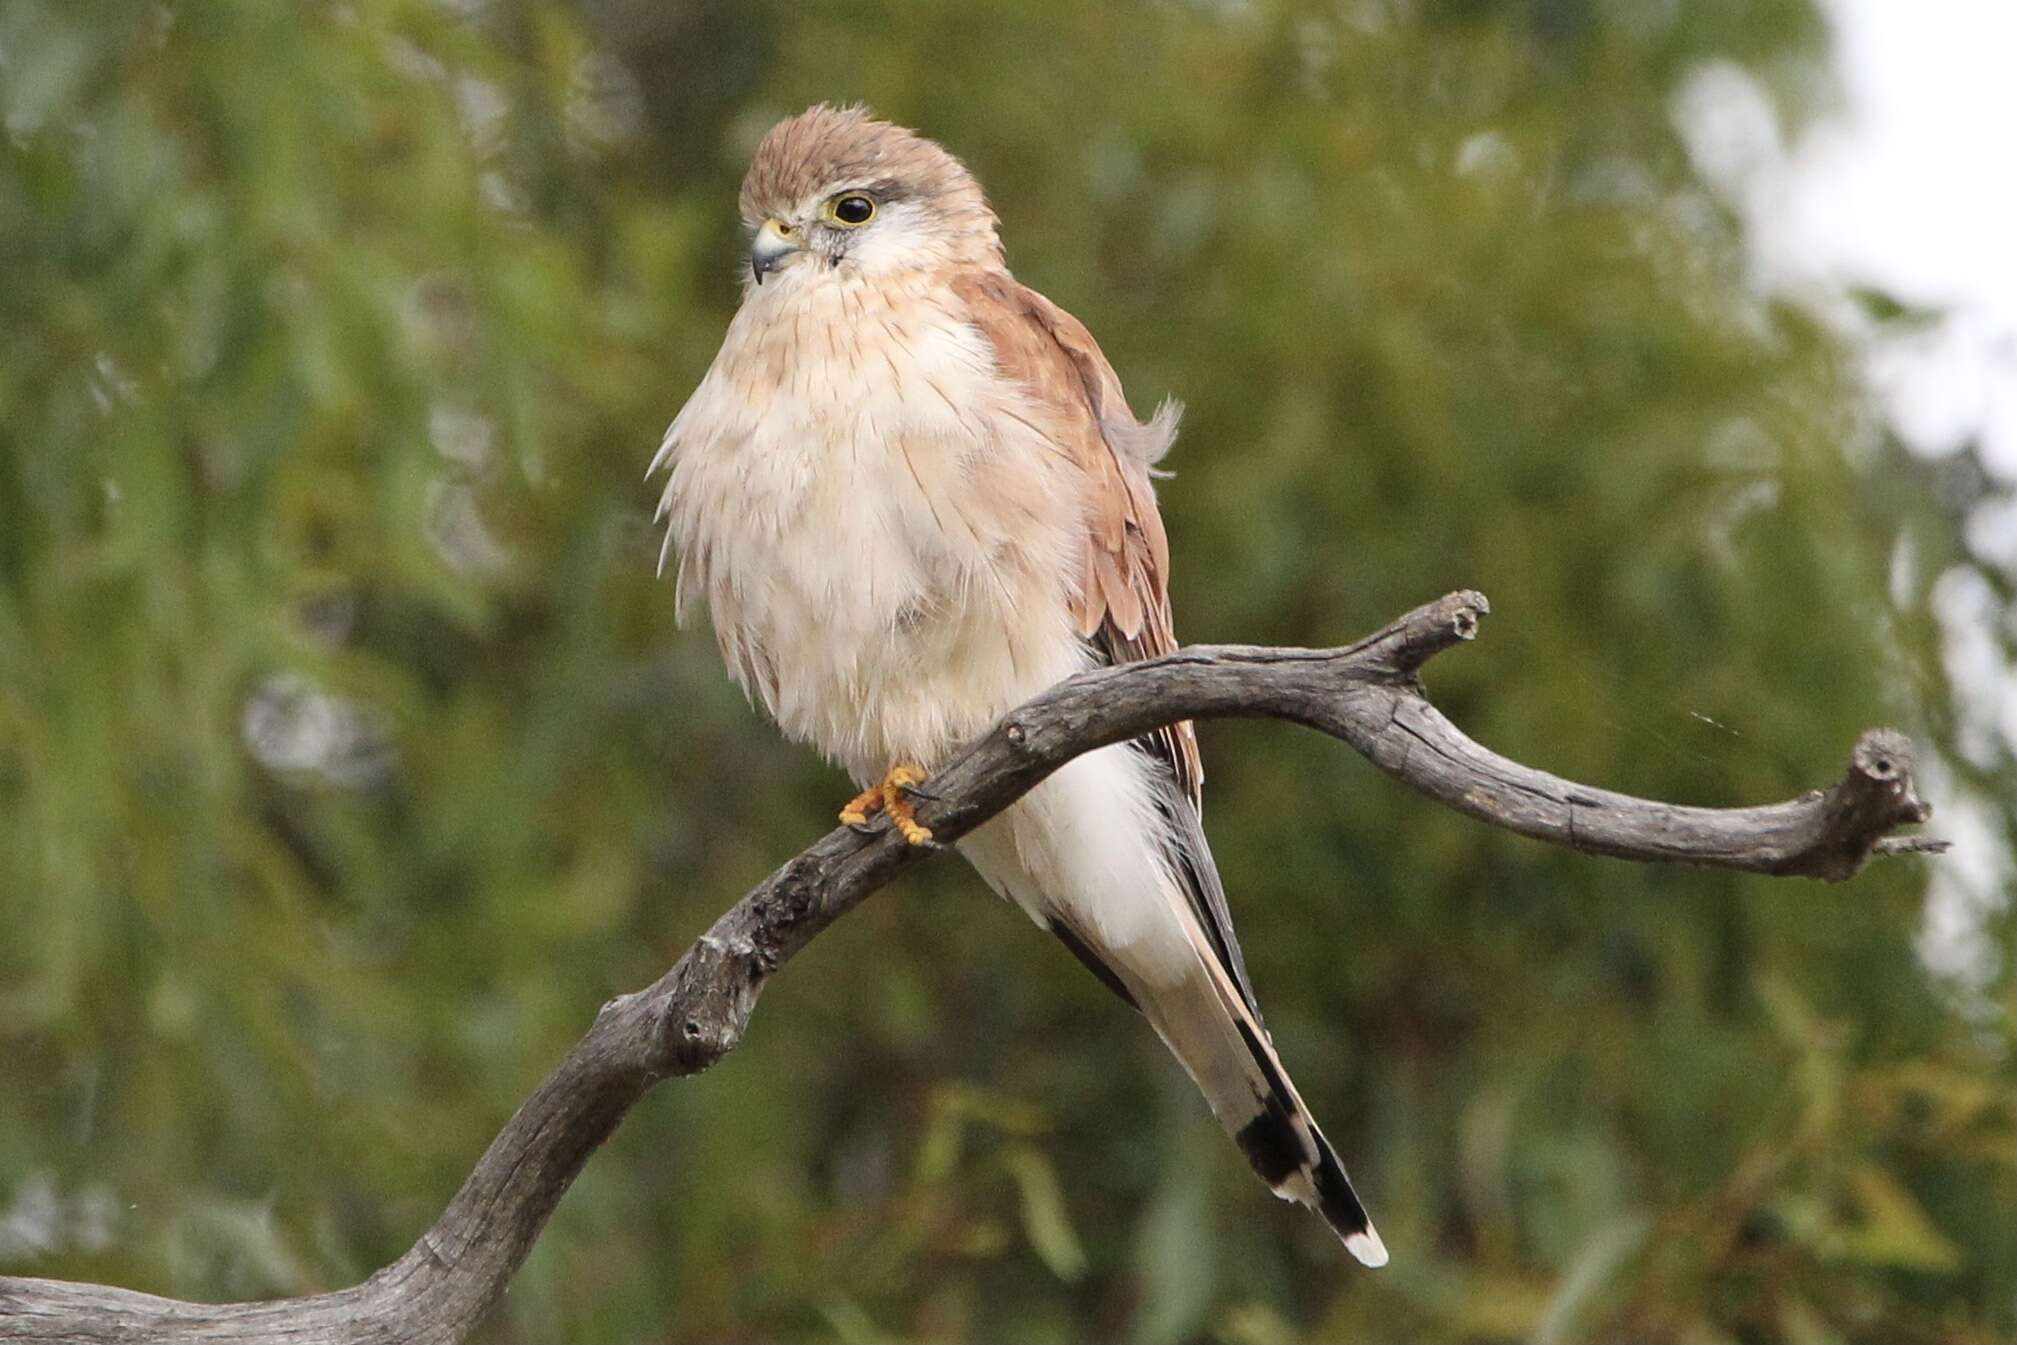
(891, 797)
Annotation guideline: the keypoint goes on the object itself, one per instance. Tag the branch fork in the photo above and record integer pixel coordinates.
(1366, 694)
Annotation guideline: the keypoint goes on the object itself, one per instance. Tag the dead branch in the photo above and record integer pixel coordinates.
(1366, 694)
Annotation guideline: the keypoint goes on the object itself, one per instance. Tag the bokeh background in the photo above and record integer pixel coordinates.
(349, 757)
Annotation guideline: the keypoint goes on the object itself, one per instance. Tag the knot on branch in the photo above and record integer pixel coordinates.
(1883, 758)
(1874, 798)
(1465, 608)
(703, 1012)
(782, 908)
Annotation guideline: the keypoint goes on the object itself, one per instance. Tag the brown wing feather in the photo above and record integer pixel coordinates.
(1124, 606)
(1124, 600)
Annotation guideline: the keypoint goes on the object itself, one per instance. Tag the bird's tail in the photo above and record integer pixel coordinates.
(1111, 857)
(1221, 1042)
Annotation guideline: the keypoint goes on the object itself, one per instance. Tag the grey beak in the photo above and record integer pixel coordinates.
(774, 243)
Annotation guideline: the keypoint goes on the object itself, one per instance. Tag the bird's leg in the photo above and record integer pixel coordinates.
(892, 796)
(897, 786)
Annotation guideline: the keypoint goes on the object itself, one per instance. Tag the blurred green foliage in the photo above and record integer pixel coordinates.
(349, 758)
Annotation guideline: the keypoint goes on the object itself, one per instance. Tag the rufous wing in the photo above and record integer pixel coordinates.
(1123, 601)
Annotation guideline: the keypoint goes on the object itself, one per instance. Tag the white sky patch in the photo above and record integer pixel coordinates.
(1970, 887)
(1911, 191)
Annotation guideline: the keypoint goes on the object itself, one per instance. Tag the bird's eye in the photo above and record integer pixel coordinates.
(853, 209)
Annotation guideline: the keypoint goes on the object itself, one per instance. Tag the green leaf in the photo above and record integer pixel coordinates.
(1893, 1229)
(1046, 1221)
(1598, 1270)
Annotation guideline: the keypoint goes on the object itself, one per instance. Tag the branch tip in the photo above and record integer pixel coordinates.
(1882, 763)
(1912, 845)
(1427, 631)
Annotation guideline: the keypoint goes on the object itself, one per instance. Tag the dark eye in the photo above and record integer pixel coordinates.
(853, 209)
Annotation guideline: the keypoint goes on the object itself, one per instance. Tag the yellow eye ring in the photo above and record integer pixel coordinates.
(851, 209)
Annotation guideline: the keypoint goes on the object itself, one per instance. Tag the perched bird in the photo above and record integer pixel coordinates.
(913, 495)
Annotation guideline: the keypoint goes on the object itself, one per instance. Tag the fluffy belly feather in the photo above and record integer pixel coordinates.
(890, 563)
(885, 568)
(870, 688)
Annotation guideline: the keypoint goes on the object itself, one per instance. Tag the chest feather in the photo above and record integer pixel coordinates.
(883, 537)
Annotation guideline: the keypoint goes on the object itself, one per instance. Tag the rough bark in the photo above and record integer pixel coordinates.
(1365, 694)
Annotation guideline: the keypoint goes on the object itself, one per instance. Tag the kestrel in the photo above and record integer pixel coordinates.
(913, 496)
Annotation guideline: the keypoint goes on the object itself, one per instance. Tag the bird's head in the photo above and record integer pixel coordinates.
(834, 189)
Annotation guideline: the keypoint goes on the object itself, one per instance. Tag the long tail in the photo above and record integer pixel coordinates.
(1212, 1030)
(1108, 855)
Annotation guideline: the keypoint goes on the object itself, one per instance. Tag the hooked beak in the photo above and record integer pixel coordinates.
(775, 242)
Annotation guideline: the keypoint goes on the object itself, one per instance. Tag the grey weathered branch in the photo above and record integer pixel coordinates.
(1366, 694)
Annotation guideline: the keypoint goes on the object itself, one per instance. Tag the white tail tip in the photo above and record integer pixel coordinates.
(1367, 1247)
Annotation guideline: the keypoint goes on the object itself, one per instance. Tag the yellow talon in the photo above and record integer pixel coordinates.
(892, 796)
(857, 811)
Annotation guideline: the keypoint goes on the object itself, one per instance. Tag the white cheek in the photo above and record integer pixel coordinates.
(896, 238)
